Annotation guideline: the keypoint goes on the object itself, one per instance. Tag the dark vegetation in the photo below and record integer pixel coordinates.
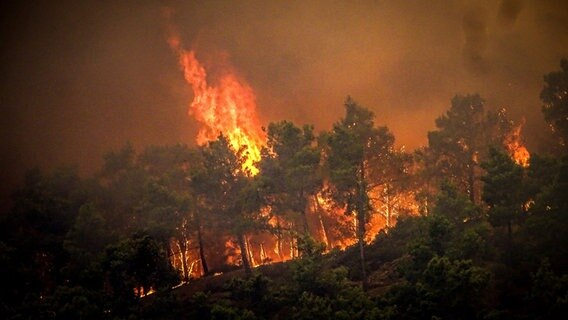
(488, 240)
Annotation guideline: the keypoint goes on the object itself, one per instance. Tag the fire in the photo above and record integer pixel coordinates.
(140, 292)
(338, 231)
(228, 107)
(389, 206)
(226, 104)
(515, 147)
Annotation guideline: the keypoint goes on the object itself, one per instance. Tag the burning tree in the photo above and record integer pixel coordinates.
(391, 190)
(354, 147)
(151, 191)
(230, 193)
(462, 140)
(290, 170)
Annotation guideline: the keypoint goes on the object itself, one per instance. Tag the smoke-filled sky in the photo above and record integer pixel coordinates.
(80, 78)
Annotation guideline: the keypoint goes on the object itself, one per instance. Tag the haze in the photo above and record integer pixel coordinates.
(81, 78)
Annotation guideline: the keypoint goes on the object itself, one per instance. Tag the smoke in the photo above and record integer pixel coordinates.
(474, 27)
(79, 78)
(509, 11)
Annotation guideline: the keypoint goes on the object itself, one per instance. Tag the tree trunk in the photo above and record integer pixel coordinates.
(263, 258)
(279, 239)
(182, 248)
(388, 207)
(304, 214)
(252, 261)
(361, 226)
(170, 253)
(293, 238)
(244, 253)
(293, 247)
(322, 225)
(509, 243)
(361, 240)
(202, 251)
(305, 222)
(471, 181)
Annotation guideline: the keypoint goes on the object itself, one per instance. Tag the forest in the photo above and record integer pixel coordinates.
(340, 224)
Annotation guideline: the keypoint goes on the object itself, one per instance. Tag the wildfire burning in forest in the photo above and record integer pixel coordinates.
(228, 107)
(226, 104)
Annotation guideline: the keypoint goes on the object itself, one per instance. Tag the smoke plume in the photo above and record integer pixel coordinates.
(80, 78)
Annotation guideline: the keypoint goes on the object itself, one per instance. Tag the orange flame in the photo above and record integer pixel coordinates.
(515, 147)
(228, 108)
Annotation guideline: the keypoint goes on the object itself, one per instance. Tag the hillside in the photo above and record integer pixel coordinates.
(424, 267)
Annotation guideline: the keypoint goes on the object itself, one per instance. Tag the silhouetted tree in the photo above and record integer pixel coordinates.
(502, 190)
(554, 95)
(171, 201)
(32, 239)
(123, 181)
(230, 193)
(354, 146)
(290, 171)
(462, 139)
(136, 265)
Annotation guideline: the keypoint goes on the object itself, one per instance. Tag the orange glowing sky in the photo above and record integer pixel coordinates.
(80, 78)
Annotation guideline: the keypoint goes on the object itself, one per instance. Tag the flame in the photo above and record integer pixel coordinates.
(388, 207)
(341, 233)
(515, 147)
(229, 107)
(226, 104)
(139, 292)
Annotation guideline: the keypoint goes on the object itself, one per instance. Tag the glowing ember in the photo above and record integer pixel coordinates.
(228, 108)
(139, 292)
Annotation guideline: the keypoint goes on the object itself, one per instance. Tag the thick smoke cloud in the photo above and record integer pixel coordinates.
(82, 77)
